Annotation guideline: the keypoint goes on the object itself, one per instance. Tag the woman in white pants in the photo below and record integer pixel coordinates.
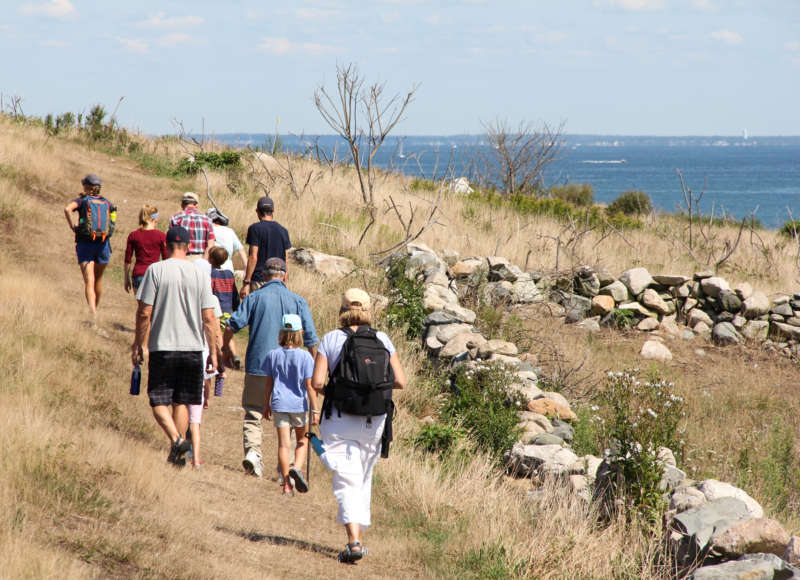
(351, 443)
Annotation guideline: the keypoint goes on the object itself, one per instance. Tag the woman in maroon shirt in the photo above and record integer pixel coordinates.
(148, 244)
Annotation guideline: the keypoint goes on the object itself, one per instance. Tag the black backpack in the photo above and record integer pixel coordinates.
(359, 383)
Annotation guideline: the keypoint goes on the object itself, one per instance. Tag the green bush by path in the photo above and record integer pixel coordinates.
(632, 202)
(578, 194)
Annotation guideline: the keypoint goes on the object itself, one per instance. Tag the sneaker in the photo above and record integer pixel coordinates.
(279, 479)
(299, 480)
(252, 463)
(177, 454)
(237, 363)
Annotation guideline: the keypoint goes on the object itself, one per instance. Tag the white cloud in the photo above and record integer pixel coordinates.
(53, 43)
(704, 5)
(53, 9)
(160, 21)
(549, 37)
(792, 46)
(630, 5)
(281, 45)
(174, 39)
(727, 36)
(136, 45)
(316, 13)
(432, 19)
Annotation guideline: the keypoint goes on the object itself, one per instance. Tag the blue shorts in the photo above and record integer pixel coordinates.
(99, 252)
(137, 281)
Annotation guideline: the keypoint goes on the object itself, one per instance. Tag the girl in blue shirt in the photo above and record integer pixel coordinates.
(288, 371)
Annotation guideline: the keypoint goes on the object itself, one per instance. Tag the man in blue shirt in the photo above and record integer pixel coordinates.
(262, 311)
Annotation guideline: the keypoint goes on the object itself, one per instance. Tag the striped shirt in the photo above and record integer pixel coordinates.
(200, 228)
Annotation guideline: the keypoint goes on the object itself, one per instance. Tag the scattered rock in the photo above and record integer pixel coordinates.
(465, 268)
(655, 350)
(447, 332)
(502, 347)
(743, 290)
(729, 301)
(460, 313)
(589, 324)
(334, 267)
(745, 570)
(563, 430)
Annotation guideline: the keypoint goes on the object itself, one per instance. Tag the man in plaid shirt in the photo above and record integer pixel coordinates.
(199, 225)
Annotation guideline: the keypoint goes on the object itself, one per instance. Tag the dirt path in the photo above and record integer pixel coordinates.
(249, 525)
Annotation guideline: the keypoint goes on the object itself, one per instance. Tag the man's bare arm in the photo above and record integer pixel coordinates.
(143, 314)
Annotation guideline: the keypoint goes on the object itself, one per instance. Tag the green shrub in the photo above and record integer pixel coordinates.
(481, 402)
(405, 309)
(225, 160)
(586, 439)
(418, 184)
(438, 438)
(637, 417)
(578, 194)
(789, 228)
(622, 318)
(492, 562)
(774, 469)
(631, 202)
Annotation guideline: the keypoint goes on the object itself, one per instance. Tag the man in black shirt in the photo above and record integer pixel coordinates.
(267, 239)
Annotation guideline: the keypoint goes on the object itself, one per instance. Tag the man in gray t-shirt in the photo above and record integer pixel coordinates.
(176, 307)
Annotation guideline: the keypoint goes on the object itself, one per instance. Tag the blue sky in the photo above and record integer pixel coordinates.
(635, 67)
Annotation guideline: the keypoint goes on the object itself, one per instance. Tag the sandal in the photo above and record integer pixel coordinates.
(352, 553)
(288, 490)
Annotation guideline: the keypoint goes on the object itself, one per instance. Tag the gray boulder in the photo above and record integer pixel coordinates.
(636, 280)
(780, 330)
(756, 330)
(525, 292)
(540, 459)
(783, 310)
(749, 567)
(713, 286)
(714, 490)
(652, 301)
(755, 305)
(586, 282)
(725, 333)
(563, 430)
(730, 302)
(546, 439)
(692, 529)
(334, 267)
(670, 279)
(617, 290)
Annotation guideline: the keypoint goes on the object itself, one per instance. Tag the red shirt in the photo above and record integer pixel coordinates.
(149, 246)
(201, 230)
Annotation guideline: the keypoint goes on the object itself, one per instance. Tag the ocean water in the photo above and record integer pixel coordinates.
(737, 175)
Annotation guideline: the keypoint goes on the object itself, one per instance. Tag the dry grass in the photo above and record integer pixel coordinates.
(84, 490)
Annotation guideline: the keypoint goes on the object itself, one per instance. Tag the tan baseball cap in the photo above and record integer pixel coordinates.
(355, 298)
(190, 197)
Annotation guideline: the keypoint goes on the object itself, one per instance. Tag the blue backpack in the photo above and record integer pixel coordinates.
(95, 218)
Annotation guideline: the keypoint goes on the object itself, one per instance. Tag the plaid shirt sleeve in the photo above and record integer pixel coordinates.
(200, 229)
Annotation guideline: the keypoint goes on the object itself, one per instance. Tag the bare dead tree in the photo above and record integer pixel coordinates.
(692, 202)
(518, 156)
(363, 116)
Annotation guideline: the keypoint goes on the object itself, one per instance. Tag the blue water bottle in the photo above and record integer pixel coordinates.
(218, 385)
(136, 378)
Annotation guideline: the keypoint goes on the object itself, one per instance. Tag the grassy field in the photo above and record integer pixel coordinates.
(85, 491)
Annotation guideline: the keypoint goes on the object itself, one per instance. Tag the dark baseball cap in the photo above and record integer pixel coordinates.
(92, 180)
(178, 234)
(265, 204)
(274, 265)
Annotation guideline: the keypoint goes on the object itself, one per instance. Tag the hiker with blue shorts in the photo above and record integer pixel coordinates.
(96, 220)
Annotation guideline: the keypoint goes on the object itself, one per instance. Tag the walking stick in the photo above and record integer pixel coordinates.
(309, 434)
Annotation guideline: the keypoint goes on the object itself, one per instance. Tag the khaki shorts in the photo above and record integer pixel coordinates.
(288, 419)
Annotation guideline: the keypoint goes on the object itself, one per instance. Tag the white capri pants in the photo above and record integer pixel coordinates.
(352, 447)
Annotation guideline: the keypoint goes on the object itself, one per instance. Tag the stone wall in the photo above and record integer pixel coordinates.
(710, 523)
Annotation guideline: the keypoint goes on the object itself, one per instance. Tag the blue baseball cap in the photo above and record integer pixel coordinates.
(291, 322)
